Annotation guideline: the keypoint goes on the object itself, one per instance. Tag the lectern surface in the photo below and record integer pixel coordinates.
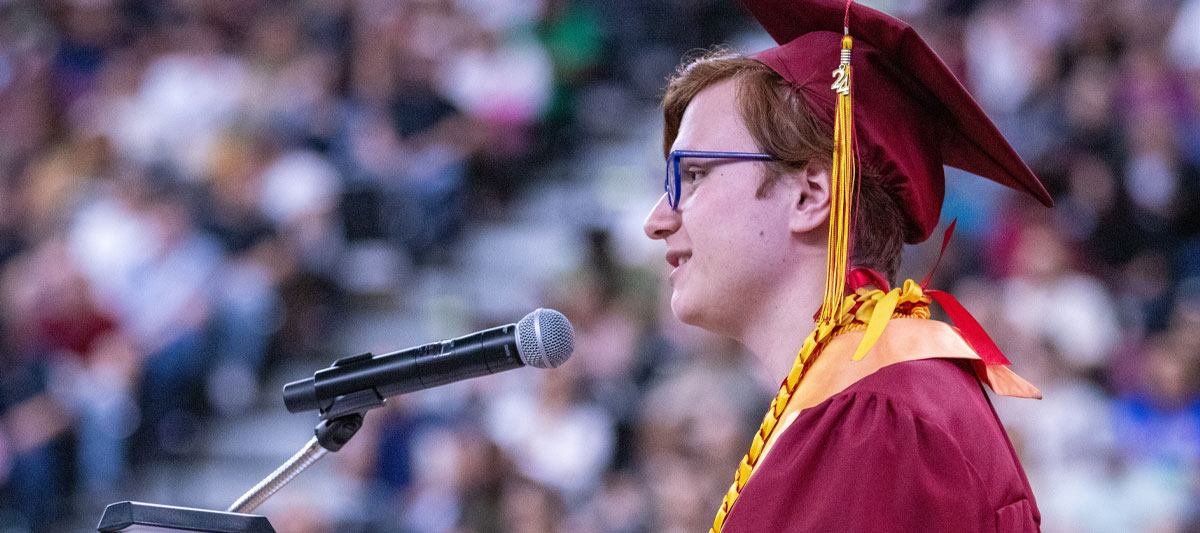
(135, 517)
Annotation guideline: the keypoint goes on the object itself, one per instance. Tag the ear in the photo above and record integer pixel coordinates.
(810, 210)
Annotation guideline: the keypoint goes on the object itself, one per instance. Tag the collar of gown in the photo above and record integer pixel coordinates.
(903, 340)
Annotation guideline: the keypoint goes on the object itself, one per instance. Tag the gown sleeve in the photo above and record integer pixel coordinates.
(863, 462)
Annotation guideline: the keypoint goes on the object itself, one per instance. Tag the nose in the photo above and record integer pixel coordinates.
(662, 221)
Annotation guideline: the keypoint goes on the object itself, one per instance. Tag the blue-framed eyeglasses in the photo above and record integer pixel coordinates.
(674, 180)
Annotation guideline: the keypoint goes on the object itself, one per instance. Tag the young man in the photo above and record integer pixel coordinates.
(791, 192)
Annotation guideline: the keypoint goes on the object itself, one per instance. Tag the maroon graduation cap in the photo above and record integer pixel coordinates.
(911, 115)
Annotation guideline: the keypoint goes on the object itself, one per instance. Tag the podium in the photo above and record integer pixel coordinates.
(135, 517)
(340, 421)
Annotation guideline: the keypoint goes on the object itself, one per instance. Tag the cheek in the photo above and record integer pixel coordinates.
(733, 233)
(731, 252)
(751, 252)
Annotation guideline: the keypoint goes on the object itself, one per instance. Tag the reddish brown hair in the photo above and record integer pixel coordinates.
(783, 126)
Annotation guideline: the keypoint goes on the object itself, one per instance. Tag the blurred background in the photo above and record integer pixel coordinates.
(201, 200)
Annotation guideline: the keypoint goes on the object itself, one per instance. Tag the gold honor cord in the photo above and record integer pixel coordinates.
(814, 342)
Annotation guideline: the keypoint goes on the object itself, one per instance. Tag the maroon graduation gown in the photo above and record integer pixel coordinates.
(914, 446)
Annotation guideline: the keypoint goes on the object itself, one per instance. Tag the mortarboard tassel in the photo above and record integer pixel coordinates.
(843, 186)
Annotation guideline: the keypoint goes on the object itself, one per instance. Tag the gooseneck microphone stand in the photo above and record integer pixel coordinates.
(339, 422)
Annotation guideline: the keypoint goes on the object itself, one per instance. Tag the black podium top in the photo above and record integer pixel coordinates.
(134, 517)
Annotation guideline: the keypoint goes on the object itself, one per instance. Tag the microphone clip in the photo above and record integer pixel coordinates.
(358, 402)
(343, 417)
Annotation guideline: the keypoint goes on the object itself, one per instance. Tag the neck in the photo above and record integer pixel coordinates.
(776, 334)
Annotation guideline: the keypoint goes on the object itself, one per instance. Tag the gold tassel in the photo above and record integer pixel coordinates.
(843, 186)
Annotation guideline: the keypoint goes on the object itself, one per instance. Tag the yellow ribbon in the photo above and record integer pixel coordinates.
(876, 311)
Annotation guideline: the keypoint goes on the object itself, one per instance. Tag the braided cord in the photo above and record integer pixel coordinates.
(812, 344)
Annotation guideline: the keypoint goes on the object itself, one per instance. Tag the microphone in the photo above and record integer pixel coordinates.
(543, 339)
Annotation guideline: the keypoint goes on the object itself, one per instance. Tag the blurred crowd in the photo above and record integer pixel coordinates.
(195, 194)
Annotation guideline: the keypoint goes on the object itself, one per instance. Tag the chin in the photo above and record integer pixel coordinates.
(694, 314)
(683, 310)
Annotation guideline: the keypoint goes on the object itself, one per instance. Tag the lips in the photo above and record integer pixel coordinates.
(677, 257)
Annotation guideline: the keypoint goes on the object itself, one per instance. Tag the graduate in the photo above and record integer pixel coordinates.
(794, 177)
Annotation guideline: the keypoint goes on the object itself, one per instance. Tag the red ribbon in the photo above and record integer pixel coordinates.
(863, 276)
(945, 243)
(970, 328)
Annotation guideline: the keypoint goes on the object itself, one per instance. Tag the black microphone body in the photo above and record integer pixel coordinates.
(422, 367)
(542, 339)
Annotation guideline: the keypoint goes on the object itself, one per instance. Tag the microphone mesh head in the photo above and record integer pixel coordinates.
(545, 338)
